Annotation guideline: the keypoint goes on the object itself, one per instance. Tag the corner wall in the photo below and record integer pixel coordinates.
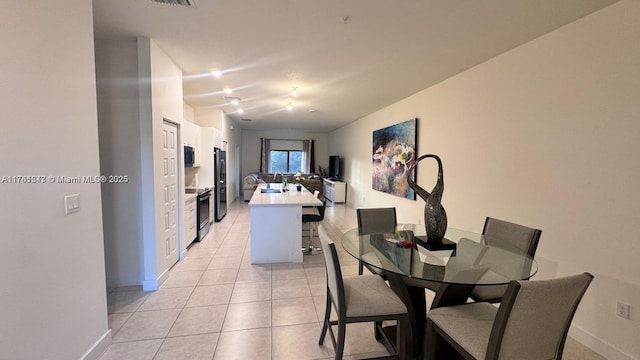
(119, 133)
(167, 102)
(139, 87)
(51, 265)
(544, 135)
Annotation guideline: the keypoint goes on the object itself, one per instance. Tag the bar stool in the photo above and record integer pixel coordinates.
(312, 220)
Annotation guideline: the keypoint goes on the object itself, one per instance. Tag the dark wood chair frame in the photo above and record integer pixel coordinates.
(400, 341)
(531, 251)
(440, 345)
(365, 227)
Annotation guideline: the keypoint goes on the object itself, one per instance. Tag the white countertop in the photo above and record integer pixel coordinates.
(290, 197)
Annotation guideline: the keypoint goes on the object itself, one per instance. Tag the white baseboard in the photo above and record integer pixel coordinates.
(150, 285)
(598, 345)
(153, 285)
(99, 347)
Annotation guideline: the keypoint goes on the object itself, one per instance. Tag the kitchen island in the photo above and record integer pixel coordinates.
(276, 223)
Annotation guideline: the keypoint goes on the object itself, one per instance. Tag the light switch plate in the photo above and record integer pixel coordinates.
(71, 203)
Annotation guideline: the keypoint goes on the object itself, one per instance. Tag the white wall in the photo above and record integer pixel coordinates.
(166, 104)
(189, 113)
(119, 134)
(51, 265)
(251, 146)
(139, 87)
(544, 135)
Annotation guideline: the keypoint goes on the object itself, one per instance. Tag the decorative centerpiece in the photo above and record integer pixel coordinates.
(298, 177)
(435, 217)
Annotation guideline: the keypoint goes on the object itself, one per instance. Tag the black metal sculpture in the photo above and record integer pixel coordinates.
(435, 217)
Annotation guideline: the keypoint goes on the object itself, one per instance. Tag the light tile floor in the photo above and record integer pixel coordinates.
(216, 305)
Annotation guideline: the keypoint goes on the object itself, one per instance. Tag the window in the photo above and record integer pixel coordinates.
(286, 156)
(285, 161)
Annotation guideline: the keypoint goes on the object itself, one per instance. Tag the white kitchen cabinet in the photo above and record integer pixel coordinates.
(205, 173)
(190, 222)
(335, 191)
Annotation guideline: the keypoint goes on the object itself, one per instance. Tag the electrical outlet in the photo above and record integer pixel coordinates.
(623, 310)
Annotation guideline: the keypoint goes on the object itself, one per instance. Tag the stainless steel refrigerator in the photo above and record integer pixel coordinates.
(220, 181)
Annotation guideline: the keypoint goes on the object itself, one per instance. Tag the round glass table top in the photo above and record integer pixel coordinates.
(465, 258)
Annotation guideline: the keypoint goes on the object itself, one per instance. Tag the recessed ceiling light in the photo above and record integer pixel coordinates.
(240, 111)
(228, 90)
(313, 110)
(290, 106)
(233, 100)
(294, 91)
(216, 73)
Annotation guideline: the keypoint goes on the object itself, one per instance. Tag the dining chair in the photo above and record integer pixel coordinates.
(372, 221)
(510, 237)
(312, 219)
(365, 298)
(531, 322)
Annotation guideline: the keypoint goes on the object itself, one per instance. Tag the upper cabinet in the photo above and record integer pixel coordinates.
(205, 173)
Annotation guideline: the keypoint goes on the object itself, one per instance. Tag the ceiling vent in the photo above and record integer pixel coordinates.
(185, 3)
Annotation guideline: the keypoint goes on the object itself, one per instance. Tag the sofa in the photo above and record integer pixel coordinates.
(311, 182)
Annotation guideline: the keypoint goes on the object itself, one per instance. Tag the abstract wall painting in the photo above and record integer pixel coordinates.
(394, 151)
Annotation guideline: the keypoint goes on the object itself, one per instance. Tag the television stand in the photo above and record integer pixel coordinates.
(334, 190)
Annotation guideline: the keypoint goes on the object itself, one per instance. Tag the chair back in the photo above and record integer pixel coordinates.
(322, 208)
(334, 274)
(511, 236)
(376, 220)
(534, 318)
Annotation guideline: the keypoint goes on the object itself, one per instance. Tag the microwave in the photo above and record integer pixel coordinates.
(189, 156)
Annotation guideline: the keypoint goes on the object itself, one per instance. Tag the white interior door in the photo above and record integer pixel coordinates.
(170, 187)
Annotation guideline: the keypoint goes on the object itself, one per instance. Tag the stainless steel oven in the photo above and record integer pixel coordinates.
(204, 197)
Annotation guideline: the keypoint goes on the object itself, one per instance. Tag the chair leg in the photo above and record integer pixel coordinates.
(313, 250)
(360, 267)
(325, 323)
(435, 346)
(377, 333)
(342, 328)
(311, 226)
(401, 337)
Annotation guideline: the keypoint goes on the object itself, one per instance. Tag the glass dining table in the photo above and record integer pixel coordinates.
(404, 259)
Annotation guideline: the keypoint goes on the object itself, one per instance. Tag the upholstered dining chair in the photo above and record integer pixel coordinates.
(375, 220)
(510, 237)
(313, 219)
(531, 323)
(365, 298)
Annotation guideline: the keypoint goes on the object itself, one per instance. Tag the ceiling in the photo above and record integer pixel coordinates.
(347, 58)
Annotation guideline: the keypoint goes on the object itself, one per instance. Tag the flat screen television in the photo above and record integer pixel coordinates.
(334, 167)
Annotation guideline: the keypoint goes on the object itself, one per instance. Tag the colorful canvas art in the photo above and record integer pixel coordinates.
(394, 151)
